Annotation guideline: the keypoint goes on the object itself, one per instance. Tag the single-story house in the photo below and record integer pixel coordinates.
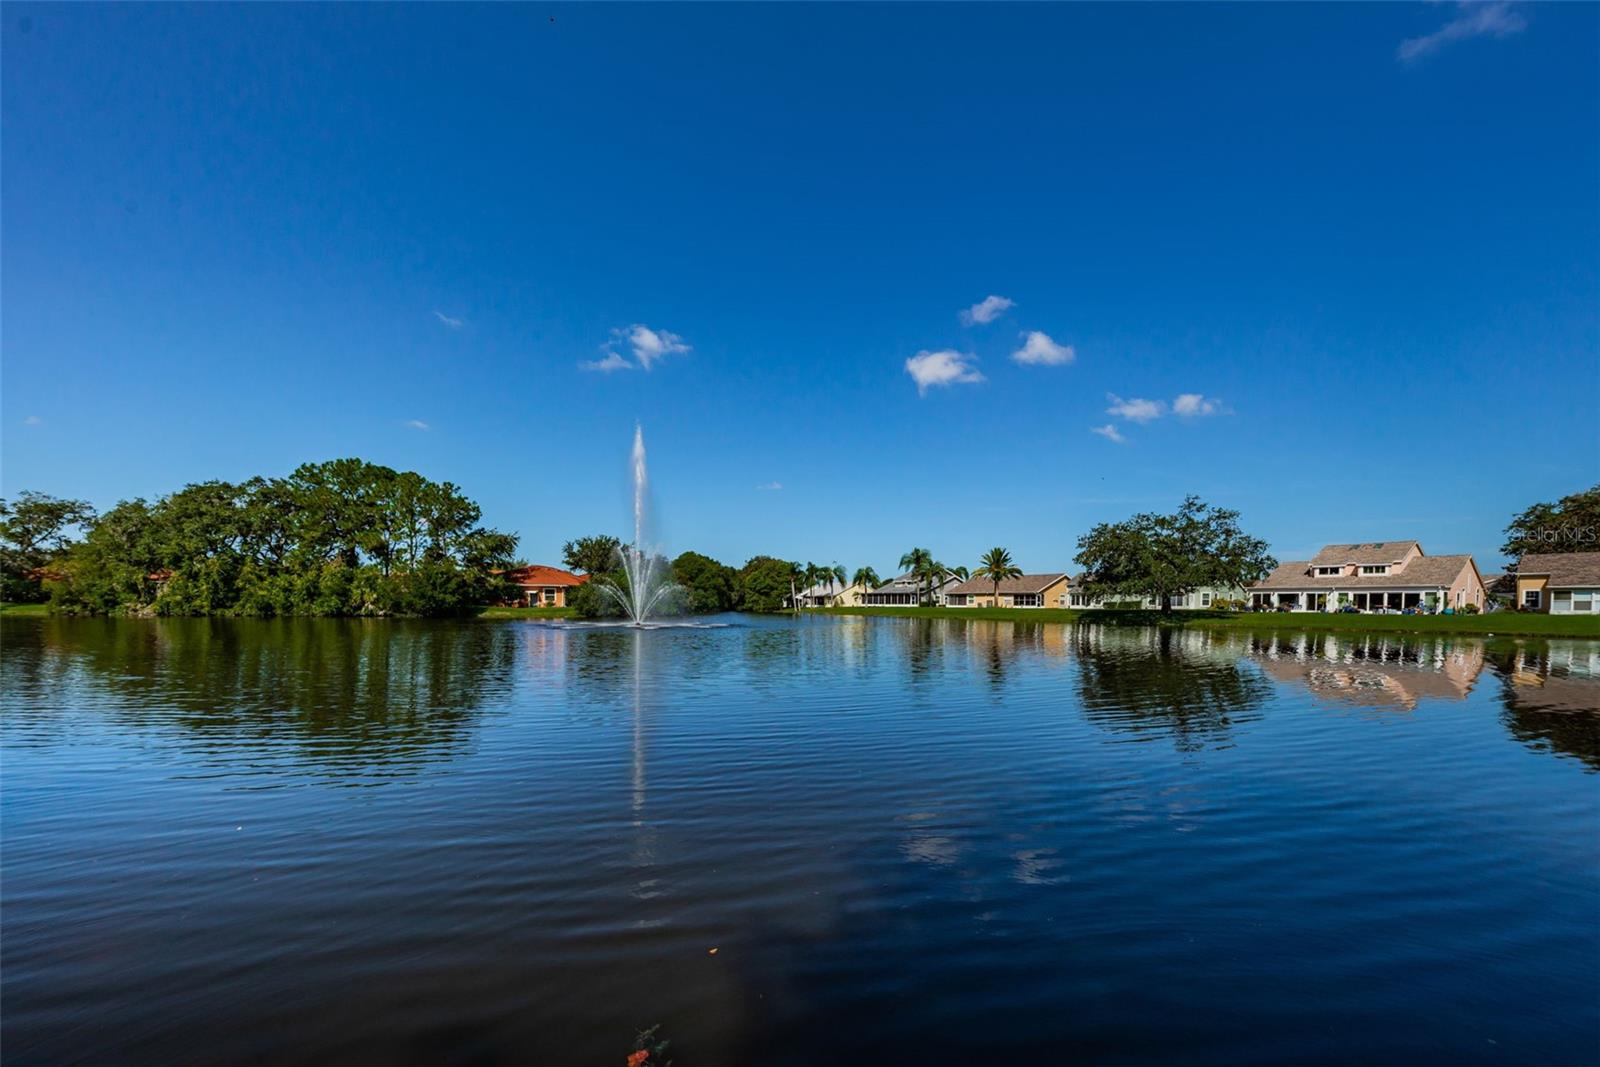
(825, 595)
(906, 590)
(1202, 599)
(1377, 576)
(1560, 583)
(539, 586)
(1028, 591)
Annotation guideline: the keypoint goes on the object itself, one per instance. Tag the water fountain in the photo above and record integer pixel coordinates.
(649, 584)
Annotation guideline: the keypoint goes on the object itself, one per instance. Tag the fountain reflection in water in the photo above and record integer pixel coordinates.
(649, 585)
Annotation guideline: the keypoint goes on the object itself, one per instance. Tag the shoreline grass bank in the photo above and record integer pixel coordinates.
(1497, 624)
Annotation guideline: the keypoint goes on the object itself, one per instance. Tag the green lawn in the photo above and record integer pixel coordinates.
(526, 613)
(24, 609)
(1502, 624)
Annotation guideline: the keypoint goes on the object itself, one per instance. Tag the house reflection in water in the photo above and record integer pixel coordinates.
(1552, 697)
(1549, 690)
(1376, 672)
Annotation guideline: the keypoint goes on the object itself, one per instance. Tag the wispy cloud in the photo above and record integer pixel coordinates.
(449, 320)
(944, 367)
(611, 361)
(647, 346)
(767, 487)
(1039, 350)
(33, 420)
(651, 345)
(1190, 405)
(1495, 18)
(1135, 410)
(418, 424)
(987, 310)
(1109, 432)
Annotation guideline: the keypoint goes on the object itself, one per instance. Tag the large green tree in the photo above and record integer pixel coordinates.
(344, 537)
(592, 555)
(1167, 556)
(35, 530)
(765, 583)
(1571, 524)
(709, 586)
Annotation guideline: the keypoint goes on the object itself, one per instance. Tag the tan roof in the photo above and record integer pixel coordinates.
(1028, 583)
(1368, 552)
(1564, 568)
(1426, 571)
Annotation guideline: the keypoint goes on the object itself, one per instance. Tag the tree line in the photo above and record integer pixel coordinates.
(347, 537)
(343, 537)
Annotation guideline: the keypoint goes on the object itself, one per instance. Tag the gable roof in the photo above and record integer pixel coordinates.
(1027, 583)
(1430, 571)
(908, 583)
(1367, 552)
(1563, 568)
(539, 574)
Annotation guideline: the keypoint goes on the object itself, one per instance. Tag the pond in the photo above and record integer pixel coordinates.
(824, 840)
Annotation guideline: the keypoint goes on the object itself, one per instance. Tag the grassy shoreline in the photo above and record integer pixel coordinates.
(498, 612)
(1498, 624)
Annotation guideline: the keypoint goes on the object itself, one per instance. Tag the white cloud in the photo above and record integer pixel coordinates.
(1191, 404)
(1135, 410)
(1040, 350)
(944, 367)
(611, 361)
(33, 420)
(986, 310)
(1496, 18)
(418, 424)
(1109, 432)
(453, 323)
(650, 345)
(769, 486)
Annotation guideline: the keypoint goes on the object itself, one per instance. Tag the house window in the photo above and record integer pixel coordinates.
(1205, 600)
(1583, 600)
(1027, 600)
(1329, 570)
(1374, 568)
(1530, 598)
(1561, 600)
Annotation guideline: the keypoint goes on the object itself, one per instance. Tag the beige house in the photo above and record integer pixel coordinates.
(1028, 591)
(1559, 583)
(906, 590)
(1203, 599)
(1380, 576)
(824, 595)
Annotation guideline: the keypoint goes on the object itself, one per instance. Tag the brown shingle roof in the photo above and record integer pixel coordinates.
(1028, 583)
(1423, 571)
(1564, 568)
(1368, 552)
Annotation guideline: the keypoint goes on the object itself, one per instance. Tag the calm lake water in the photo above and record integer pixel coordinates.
(907, 841)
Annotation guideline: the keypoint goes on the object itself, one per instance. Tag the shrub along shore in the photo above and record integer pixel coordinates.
(1497, 624)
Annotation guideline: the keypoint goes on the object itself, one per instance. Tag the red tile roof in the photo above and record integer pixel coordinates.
(540, 575)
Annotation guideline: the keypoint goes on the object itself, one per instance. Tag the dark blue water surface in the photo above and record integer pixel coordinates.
(907, 841)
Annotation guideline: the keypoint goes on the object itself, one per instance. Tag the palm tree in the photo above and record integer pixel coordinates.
(835, 575)
(996, 566)
(866, 578)
(961, 572)
(916, 563)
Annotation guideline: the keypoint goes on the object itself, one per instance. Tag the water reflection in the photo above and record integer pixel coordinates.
(1189, 685)
(1549, 690)
(352, 698)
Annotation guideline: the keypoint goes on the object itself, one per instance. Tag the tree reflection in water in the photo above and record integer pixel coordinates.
(363, 699)
(1189, 685)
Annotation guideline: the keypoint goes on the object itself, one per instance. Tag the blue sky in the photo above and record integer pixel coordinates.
(1336, 267)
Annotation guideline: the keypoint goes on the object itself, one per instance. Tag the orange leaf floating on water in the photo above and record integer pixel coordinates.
(638, 1058)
